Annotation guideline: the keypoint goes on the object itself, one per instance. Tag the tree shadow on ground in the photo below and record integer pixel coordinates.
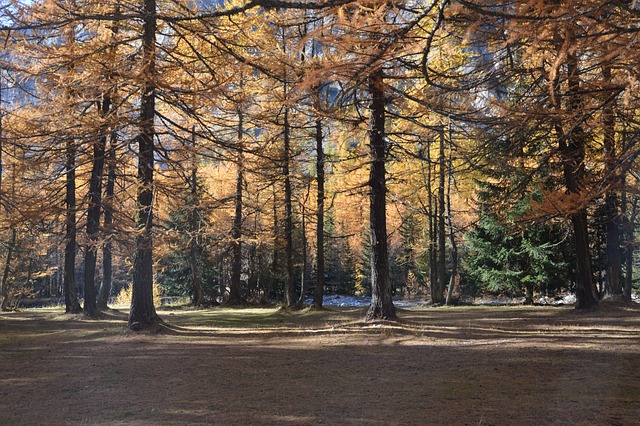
(434, 366)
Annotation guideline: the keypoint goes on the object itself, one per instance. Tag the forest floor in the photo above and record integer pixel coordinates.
(436, 366)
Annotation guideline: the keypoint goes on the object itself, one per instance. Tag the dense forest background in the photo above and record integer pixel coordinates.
(272, 150)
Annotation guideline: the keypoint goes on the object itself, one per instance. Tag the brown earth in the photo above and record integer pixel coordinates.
(460, 366)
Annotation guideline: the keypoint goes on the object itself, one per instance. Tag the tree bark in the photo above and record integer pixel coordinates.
(289, 289)
(275, 262)
(437, 290)
(628, 217)
(585, 289)
(4, 285)
(381, 302)
(304, 276)
(628, 279)
(194, 228)
(613, 282)
(305, 263)
(452, 235)
(318, 293)
(107, 203)
(572, 148)
(107, 256)
(72, 305)
(93, 216)
(236, 230)
(142, 313)
(433, 256)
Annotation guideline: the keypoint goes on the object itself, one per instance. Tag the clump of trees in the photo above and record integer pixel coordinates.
(272, 149)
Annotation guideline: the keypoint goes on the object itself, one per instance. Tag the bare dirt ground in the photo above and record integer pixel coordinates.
(460, 366)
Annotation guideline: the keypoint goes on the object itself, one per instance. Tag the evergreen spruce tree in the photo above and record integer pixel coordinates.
(176, 270)
(508, 256)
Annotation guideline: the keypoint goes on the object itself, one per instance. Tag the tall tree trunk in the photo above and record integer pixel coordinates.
(194, 228)
(289, 288)
(432, 252)
(255, 260)
(452, 235)
(93, 215)
(1, 140)
(585, 289)
(236, 230)
(629, 218)
(107, 204)
(613, 282)
(381, 302)
(142, 313)
(304, 276)
(572, 148)
(319, 289)
(107, 255)
(275, 262)
(4, 285)
(72, 305)
(305, 264)
(437, 291)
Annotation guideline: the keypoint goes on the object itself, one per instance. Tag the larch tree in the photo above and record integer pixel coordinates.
(357, 21)
(375, 35)
(142, 313)
(320, 209)
(93, 214)
(66, 66)
(381, 301)
(107, 225)
(103, 71)
(52, 69)
(4, 288)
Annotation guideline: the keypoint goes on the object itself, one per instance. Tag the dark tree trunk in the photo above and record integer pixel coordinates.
(194, 228)
(437, 290)
(236, 230)
(143, 312)
(72, 305)
(93, 216)
(629, 218)
(628, 279)
(4, 285)
(585, 289)
(289, 288)
(613, 282)
(107, 205)
(433, 256)
(319, 289)
(305, 263)
(572, 148)
(528, 294)
(304, 278)
(452, 235)
(381, 302)
(107, 256)
(275, 261)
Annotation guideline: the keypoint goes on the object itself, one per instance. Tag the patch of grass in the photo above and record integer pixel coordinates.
(259, 317)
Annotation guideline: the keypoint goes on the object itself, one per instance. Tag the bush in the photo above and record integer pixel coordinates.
(124, 296)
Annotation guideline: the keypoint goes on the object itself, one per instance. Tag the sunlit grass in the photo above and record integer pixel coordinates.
(258, 318)
(442, 322)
